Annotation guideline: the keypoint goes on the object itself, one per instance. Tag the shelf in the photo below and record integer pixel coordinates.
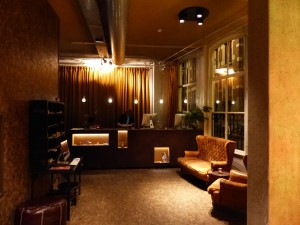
(161, 155)
(46, 131)
(122, 139)
(90, 139)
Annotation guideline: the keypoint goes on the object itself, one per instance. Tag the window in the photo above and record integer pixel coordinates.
(187, 85)
(227, 85)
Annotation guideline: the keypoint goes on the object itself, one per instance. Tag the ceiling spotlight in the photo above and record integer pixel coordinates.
(198, 14)
(193, 14)
(182, 16)
(200, 21)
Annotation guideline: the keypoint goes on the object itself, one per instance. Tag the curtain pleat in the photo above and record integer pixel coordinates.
(172, 94)
(123, 85)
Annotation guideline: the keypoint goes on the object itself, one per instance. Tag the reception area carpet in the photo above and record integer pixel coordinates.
(159, 196)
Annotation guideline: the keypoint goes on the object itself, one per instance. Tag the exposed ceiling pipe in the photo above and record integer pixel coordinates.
(117, 11)
(92, 18)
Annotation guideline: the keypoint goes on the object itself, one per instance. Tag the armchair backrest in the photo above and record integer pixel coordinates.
(215, 149)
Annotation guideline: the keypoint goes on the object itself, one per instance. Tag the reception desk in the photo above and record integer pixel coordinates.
(132, 148)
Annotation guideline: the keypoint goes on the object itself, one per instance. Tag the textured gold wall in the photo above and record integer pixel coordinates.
(29, 65)
(274, 81)
(284, 106)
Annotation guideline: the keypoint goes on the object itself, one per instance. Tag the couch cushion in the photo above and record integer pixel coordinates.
(184, 161)
(199, 166)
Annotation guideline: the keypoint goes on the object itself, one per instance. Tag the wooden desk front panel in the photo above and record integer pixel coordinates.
(140, 150)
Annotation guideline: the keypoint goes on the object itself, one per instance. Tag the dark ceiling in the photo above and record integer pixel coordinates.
(151, 27)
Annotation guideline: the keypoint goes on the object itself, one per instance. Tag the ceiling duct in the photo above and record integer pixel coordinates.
(116, 12)
(92, 18)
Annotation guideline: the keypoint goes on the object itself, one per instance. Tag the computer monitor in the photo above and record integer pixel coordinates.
(146, 119)
(179, 119)
(64, 153)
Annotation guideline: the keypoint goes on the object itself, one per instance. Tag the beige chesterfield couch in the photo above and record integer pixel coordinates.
(212, 153)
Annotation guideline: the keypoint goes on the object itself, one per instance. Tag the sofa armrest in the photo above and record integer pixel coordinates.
(226, 187)
(189, 153)
(238, 176)
(229, 194)
(231, 185)
(216, 164)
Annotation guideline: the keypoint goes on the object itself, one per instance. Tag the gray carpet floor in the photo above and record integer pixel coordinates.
(160, 196)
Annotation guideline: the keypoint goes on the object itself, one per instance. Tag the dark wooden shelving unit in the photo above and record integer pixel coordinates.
(47, 131)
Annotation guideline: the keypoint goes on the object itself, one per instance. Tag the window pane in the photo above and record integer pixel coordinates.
(236, 129)
(237, 54)
(218, 121)
(184, 99)
(219, 95)
(219, 61)
(180, 99)
(183, 77)
(221, 58)
(236, 94)
(192, 97)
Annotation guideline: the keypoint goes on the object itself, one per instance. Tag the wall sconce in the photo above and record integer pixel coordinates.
(110, 100)
(161, 101)
(185, 101)
(136, 101)
(83, 99)
(197, 14)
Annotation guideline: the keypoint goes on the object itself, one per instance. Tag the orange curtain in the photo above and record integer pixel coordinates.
(172, 94)
(122, 85)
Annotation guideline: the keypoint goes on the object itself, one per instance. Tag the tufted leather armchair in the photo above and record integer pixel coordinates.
(230, 193)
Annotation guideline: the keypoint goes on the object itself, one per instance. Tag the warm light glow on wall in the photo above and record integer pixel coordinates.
(136, 101)
(105, 65)
(92, 62)
(110, 100)
(83, 99)
(90, 139)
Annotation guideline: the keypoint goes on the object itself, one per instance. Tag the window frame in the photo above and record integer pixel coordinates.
(212, 79)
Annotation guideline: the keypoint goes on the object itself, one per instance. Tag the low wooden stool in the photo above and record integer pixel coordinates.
(46, 211)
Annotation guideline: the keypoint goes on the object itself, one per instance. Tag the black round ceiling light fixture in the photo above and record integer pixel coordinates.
(197, 14)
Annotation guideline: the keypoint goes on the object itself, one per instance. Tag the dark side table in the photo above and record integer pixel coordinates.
(216, 175)
(72, 187)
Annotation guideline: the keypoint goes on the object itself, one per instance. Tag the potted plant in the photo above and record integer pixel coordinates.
(194, 118)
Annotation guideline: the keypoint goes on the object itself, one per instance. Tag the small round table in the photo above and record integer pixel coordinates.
(216, 175)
